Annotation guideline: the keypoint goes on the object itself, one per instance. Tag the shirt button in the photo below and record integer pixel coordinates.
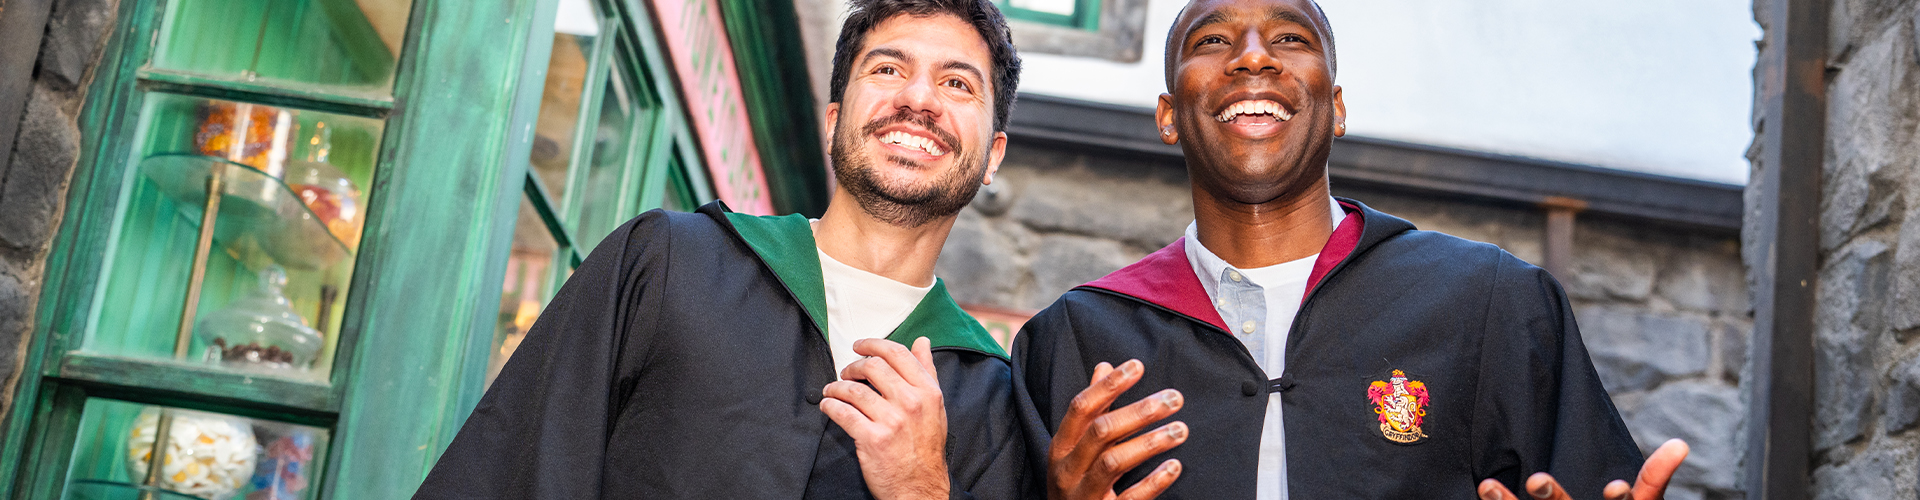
(814, 396)
(1234, 275)
(1247, 327)
(1221, 302)
(1249, 388)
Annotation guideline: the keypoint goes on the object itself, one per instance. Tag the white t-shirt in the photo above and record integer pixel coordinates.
(862, 305)
(1258, 306)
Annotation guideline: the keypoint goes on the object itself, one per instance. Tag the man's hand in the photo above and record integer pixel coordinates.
(900, 432)
(1086, 457)
(1651, 485)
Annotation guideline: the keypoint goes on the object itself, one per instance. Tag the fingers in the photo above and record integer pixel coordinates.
(1654, 475)
(1493, 490)
(900, 358)
(876, 371)
(1154, 484)
(1542, 486)
(1123, 457)
(1617, 490)
(857, 425)
(861, 398)
(1090, 404)
(923, 351)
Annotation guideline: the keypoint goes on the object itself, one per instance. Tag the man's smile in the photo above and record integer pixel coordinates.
(912, 143)
(1254, 115)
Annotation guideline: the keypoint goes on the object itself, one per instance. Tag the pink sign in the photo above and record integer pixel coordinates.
(696, 39)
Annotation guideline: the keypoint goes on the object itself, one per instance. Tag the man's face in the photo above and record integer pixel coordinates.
(1252, 99)
(913, 133)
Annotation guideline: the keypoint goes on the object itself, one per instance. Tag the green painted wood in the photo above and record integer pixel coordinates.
(254, 395)
(179, 82)
(73, 266)
(772, 63)
(437, 214)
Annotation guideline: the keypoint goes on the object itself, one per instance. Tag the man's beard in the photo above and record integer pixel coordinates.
(898, 204)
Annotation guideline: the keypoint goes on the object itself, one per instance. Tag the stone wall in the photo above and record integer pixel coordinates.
(33, 186)
(1867, 316)
(1664, 311)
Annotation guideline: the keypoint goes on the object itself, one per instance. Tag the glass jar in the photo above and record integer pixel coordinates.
(261, 331)
(209, 456)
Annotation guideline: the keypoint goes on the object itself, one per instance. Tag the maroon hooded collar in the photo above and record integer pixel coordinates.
(1165, 278)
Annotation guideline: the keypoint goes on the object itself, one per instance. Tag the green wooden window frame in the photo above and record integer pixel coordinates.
(1086, 14)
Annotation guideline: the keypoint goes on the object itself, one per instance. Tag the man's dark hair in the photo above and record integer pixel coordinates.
(1176, 44)
(865, 15)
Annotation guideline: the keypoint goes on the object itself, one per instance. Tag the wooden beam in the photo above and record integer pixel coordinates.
(1559, 238)
(1792, 86)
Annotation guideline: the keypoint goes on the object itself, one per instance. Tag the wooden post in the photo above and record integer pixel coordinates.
(1792, 86)
(1559, 245)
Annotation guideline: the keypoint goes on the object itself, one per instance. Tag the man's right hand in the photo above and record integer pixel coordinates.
(1087, 455)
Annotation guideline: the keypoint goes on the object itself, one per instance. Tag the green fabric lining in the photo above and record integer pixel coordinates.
(785, 243)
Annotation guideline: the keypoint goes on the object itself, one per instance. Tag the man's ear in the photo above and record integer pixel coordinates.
(994, 155)
(1163, 120)
(832, 118)
(1339, 112)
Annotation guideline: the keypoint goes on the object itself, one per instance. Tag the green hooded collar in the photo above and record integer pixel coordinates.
(785, 244)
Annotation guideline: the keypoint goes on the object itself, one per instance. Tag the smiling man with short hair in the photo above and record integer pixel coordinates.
(1310, 347)
(722, 355)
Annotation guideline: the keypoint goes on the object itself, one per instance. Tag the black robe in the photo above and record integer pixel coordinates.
(1485, 342)
(685, 359)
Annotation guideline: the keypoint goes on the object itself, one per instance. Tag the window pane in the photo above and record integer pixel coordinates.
(208, 455)
(288, 224)
(528, 285)
(576, 29)
(342, 44)
(1060, 7)
(606, 184)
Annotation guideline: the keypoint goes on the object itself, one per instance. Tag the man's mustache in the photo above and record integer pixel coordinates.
(901, 115)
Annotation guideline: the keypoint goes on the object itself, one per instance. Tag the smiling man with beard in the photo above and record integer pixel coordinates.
(1311, 347)
(722, 355)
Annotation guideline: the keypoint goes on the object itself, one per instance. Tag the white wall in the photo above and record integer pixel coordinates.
(1658, 86)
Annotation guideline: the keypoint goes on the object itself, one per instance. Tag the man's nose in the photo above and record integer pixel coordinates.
(918, 96)
(1255, 56)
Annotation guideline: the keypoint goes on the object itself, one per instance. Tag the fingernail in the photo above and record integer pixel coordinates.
(1177, 431)
(1173, 467)
(1171, 398)
(1131, 367)
(1545, 490)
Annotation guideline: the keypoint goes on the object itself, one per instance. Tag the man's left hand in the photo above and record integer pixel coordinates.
(899, 432)
(1651, 485)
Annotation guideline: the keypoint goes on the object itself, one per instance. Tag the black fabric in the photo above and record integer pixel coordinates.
(1513, 391)
(674, 365)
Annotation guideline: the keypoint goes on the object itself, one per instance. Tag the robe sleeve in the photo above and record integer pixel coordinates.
(1047, 374)
(1540, 405)
(541, 430)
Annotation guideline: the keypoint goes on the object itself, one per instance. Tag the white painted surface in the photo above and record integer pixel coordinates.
(1657, 86)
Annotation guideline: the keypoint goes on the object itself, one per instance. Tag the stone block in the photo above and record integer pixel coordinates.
(1704, 277)
(1842, 385)
(1709, 417)
(1732, 336)
(979, 264)
(1902, 408)
(1062, 262)
(1610, 265)
(1877, 473)
(1903, 304)
(76, 32)
(1635, 349)
(1142, 210)
(34, 184)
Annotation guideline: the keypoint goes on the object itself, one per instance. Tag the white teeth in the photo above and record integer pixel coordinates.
(904, 139)
(1260, 107)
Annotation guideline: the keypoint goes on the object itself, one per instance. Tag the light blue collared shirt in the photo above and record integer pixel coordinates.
(1258, 306)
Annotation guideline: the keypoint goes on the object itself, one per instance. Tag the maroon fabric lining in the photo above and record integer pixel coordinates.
(1165, 278)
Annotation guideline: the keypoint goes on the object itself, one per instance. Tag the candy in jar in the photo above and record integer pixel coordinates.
(207, 455)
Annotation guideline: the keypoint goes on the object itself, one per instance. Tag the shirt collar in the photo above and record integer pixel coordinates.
(1208, 267)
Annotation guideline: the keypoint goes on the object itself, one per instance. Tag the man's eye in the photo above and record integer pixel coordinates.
(1290, 38)
(957, 83)
(1210, 39)
(886, 70)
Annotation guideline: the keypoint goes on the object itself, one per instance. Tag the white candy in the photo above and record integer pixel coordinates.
(208, 455)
